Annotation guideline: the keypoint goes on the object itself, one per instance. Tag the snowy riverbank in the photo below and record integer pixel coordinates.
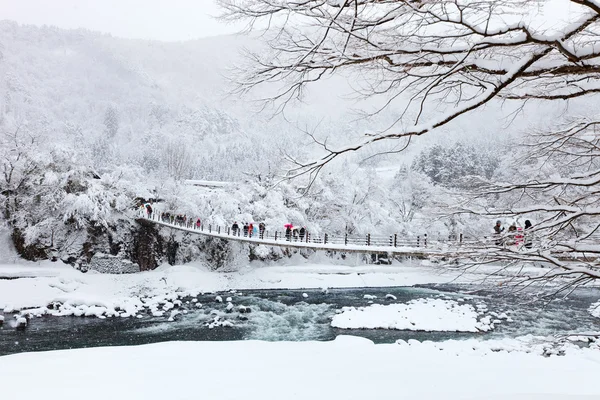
(48, 282)
(347, 368)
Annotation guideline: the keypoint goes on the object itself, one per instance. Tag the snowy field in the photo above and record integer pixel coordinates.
(347, 368)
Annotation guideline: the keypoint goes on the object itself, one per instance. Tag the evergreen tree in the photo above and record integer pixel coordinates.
(111, 121)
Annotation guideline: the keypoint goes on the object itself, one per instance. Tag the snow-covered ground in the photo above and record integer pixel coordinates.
(347, 368)
(52, 282)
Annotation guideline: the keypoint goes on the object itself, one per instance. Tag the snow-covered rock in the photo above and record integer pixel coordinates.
(21, 323)
(243, 309)
(174, 313)
(416, 315)
(390, 297)
(579, 338)
(369, 297)
(219, 299)
(305, 295)
(228, 300)
(218, 321)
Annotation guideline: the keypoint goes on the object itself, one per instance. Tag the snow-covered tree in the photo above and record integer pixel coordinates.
(19, 162)
(448, 166)
(410, 193)
(435, 60)
(111, 121)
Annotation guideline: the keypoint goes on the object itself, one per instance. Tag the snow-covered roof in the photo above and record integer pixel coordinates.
(198, 182)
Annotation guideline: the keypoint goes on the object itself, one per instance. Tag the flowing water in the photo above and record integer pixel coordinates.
(277, 315)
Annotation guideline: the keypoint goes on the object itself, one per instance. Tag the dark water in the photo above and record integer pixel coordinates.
(286, 315)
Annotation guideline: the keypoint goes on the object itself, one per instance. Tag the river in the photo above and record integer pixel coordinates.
(278, 315)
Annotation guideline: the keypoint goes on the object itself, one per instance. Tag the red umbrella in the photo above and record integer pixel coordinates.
(288, 226)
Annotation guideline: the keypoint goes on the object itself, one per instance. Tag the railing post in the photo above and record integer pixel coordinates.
(346, 239)
(219, 230)
(425, 240)
(202, 227)
(209, 228)
(418, 241)
(395, 240)
(368, 239)
(228, 231)
(325, 239)
(460, 238)
(275, 235)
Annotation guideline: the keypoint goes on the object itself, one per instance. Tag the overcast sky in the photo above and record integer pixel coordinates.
(142, 19)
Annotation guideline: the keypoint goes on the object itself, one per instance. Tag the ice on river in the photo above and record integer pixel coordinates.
(416, 315)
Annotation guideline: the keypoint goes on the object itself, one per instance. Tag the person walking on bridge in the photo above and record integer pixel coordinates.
(235, 229)
(245, 229)
(261, 230)
(527, 239)
(498, 229)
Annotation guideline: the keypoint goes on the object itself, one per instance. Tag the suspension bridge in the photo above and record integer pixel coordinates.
(392, 245)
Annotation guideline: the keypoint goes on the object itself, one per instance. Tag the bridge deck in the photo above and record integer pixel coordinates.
(344, 244)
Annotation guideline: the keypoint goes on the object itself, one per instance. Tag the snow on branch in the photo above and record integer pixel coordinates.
(422, 54)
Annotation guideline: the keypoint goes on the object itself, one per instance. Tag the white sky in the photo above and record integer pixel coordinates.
(167, 20)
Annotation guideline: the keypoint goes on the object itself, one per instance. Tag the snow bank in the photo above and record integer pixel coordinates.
(455, 370)
(416, 315)
(31, 270)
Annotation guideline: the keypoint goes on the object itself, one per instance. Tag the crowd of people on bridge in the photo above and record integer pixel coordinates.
(516, 235)
(246, 229)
